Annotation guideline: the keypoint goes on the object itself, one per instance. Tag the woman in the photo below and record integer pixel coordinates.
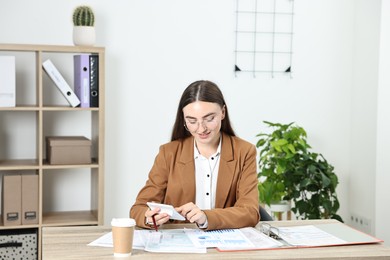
(206, 172)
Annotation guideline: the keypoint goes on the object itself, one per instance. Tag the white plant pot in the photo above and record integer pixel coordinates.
(282, 206)
(84, 35)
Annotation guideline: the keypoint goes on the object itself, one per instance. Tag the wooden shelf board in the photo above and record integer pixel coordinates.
(67, 108)
(47, 108)
(27, 164)
(69, 218)
(20, 108)
(46, 165)
(50, 48)
(17, 226)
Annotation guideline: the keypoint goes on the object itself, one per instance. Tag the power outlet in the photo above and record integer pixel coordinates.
(361, 223)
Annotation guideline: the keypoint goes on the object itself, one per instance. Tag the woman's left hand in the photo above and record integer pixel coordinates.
(192, 213)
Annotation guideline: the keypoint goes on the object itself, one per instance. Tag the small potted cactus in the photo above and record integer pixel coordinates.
(83, 30)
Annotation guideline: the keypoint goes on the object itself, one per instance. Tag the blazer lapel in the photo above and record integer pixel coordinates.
(186, 168)
(226, 171)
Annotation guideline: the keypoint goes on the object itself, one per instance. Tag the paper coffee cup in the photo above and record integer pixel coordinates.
(122, 235)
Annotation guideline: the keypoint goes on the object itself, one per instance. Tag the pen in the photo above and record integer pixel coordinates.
(154, 223)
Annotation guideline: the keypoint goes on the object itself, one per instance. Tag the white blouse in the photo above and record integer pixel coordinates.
(206, 175)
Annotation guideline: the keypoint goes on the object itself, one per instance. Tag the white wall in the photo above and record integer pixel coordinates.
(364, 97)
(154, 49)
(382, 191)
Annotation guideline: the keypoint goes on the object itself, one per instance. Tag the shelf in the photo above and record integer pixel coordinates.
(49, 48)
(47, 166)
(28, 164)
(17, 226)
(65, 218)
(33, 165)
(64, 108)
(73, 166)
(48, 108)
(20, 108)
(69, 218)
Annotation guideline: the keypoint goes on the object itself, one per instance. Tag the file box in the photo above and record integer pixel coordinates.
(11, 200)
(30, 199)
(68, 150)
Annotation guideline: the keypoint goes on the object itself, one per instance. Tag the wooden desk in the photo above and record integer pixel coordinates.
(71, 243)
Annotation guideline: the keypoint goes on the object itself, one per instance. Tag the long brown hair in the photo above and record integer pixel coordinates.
(201, 90)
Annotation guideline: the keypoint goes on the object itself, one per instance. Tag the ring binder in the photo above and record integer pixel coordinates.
(61, 84)
(94, 80)
(81, 79)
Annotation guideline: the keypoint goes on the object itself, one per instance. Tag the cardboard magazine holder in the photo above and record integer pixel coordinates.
(30, 197)
(11, 203)
(20, 199)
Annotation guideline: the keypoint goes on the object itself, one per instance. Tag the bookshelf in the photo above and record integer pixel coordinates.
(69, 195)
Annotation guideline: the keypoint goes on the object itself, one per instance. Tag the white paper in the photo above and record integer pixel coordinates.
(308, 236)
(259, 239)
(168, 209)
(219, 238)
(106, 240)
(233, 239)
(171, 241)
(164, 241)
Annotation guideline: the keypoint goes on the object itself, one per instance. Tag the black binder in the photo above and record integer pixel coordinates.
(94, 80)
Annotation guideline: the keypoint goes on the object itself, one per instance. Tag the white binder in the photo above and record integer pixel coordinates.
(7, 81)
(60, 82)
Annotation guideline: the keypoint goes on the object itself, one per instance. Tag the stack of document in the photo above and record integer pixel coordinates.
(197, 241)
(169, 240)
(194, 240)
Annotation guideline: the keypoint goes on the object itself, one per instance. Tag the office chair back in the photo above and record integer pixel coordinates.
(264, 216)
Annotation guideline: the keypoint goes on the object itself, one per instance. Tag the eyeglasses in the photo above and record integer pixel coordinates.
(209, 122)
(269, 230)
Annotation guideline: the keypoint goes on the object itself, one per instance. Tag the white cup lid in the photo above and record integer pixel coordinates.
(122, 222)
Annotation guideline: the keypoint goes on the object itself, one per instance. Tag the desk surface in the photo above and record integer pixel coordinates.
(71, 243)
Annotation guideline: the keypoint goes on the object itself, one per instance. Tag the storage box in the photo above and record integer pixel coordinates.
(19, 244)
(68, 150)
(11, 200)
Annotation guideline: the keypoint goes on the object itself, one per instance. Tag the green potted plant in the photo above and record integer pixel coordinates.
(84, 22)
(289, 171)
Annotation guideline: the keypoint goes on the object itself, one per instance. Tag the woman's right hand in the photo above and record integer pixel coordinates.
(160, 218)
(192, 213)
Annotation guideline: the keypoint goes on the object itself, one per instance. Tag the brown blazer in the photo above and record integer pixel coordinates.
(172, 181)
